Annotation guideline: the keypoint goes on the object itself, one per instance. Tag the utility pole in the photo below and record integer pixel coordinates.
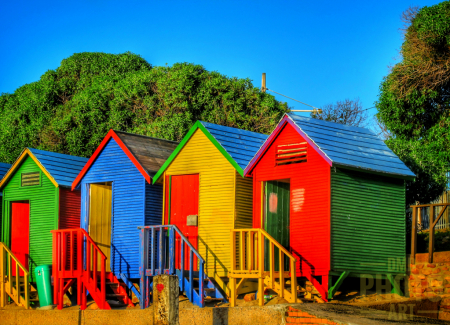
(263, 83)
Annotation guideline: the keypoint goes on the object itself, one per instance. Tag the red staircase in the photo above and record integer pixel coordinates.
(78, 260)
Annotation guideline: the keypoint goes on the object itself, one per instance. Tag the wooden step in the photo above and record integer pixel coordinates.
(197, 279)
(213, 299)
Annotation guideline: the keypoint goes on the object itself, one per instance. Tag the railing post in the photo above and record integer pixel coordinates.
(171, 250)
(414, 235)
(143, 256)
(27, 291)
(242, 250)
(294, 281)
(103, 282)
(2, 277)
(233, 251)
(152, 255)
(191, 274)
(261, 269)
(201, 282)
(272, 263)
(281, 261)
(182, 247)
(431, 236)
(162, 253)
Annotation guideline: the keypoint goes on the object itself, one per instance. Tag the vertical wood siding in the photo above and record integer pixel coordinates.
(368, 222)
(153, 204)
(310, 203)
(113, 165)
(69, 208)
(43, 212)
(217, 196)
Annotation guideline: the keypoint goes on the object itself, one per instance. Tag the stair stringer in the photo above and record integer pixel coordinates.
(323, 292)
(91, 287)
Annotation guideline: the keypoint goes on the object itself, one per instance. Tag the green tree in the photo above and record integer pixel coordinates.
(414, 100)
(70, 109)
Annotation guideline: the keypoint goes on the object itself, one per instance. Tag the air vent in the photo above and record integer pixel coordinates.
(291, 153)
(31, 179)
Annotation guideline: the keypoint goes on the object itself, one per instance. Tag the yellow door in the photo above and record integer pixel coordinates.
(100, 219)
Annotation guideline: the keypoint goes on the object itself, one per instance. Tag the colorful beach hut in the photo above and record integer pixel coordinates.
(117, 197)
(37, 199)
(205, 192)
(334, 196)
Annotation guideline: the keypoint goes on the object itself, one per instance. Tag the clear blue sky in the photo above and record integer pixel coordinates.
(315, 51)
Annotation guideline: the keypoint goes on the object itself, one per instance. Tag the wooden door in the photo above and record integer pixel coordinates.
(276, 218)
(184, 191)
(100, 219)
(20, 234)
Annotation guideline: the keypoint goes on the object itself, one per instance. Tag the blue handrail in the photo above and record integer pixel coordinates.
(148, 236)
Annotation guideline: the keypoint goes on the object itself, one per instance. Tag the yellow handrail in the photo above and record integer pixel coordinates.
(249, 245)
(6, 279)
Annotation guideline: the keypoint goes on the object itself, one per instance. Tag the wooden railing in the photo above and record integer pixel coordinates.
(77, 257)
(416, 210)
(16, 286)
(152, 251)
(247, 262)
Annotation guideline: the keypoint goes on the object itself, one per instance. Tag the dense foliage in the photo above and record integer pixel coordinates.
(70, 109)
(414, 101)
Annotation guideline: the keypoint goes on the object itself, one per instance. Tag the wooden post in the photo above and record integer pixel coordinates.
(165, 299)
(414, 235)
(2, 277)
(263, 83)
(431, 236)
(233, 291)
(261, 269)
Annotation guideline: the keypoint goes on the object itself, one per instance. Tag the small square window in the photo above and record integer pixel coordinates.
(31, 179)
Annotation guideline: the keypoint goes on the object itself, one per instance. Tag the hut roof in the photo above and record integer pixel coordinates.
(342, 145)
(4, 167)
(147, 154)
(238, 146)
(61, 169)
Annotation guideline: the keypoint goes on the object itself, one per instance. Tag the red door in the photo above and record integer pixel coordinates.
(184, 202)
(20, 233)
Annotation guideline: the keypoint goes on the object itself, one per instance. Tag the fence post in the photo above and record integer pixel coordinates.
(431, 236)
(165, 300)
(143, 256)
(414, 235)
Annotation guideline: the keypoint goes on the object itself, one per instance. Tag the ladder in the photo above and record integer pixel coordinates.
(158, 252)
(17, 286)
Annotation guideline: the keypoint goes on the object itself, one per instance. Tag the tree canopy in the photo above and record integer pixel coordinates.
(414, 100)
(347, 111)
(70, 109)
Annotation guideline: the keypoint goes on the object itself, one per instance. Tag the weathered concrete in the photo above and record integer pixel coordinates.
(270, 315)
(165, 299)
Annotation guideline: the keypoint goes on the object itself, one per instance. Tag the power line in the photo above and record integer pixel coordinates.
(292, 99)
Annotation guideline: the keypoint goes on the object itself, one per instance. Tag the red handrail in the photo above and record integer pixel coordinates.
(68, 260)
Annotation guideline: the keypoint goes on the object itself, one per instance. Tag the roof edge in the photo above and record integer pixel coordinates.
(111, 134)
(25, 152)
(197, 125)
(375, 172)
(286, 119)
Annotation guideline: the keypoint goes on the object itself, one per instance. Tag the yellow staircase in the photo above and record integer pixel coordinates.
(17, 287)
(247, 262)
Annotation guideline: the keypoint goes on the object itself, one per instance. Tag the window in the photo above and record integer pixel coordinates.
(31, 179)
(291, 153)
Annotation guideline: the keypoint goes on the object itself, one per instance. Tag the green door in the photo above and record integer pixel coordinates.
(276, 217)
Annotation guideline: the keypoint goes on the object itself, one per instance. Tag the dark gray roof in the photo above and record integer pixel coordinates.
(351, 146)
(151, 153)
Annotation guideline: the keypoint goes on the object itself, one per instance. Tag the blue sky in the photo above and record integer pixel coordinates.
(318, 52)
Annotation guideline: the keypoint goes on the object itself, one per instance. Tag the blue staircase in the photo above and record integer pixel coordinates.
(157, 251)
